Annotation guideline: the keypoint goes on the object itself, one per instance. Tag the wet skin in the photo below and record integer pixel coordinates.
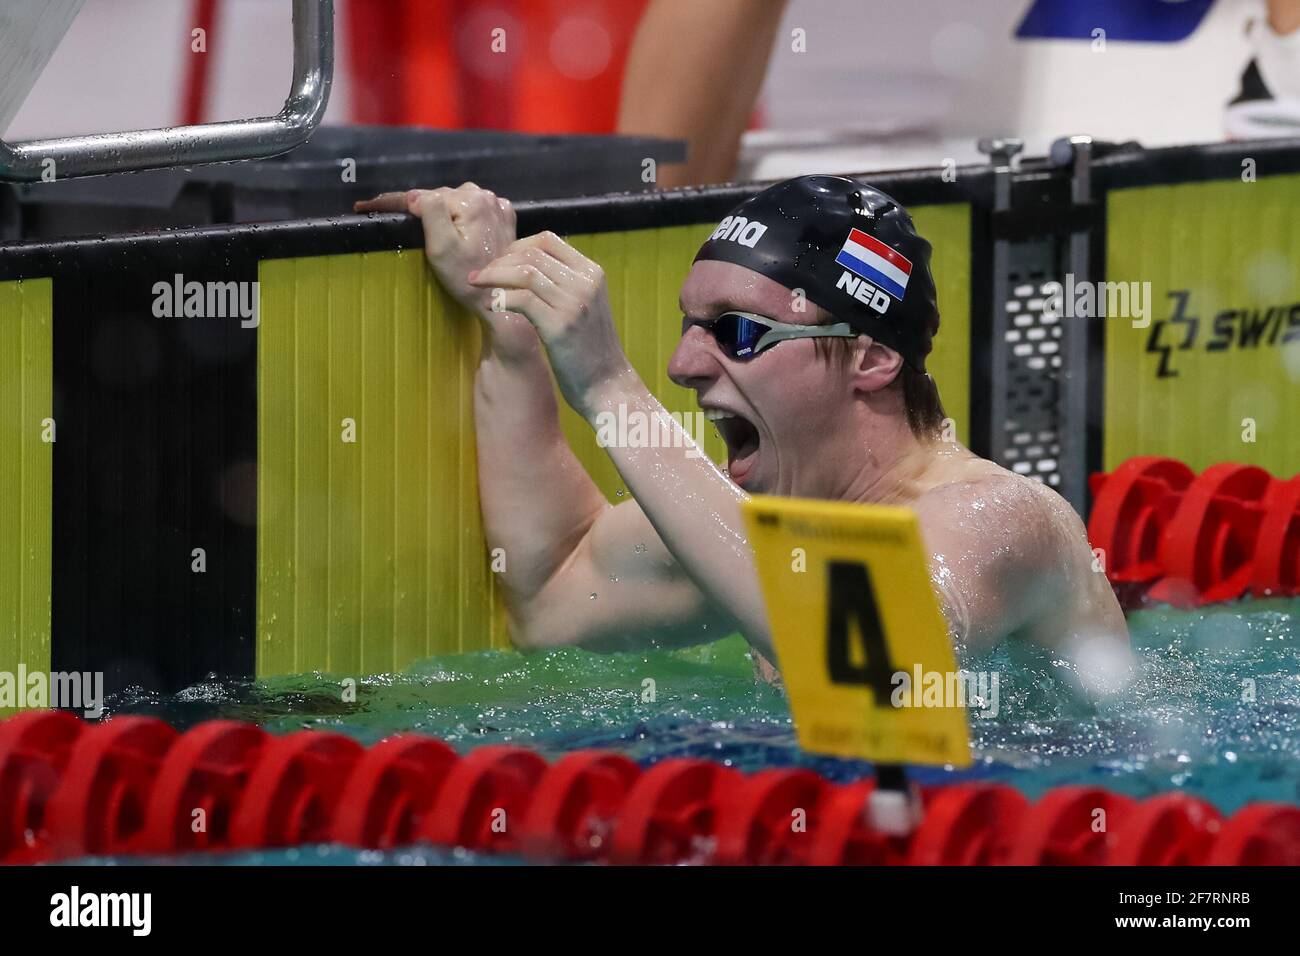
(671, 566)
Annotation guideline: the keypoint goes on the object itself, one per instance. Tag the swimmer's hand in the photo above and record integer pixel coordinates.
(464, 229)
(564, 295)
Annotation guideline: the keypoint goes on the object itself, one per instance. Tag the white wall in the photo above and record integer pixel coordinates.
(917, 83)
(954, 67)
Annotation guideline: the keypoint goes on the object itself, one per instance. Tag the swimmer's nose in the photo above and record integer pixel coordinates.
(694, 363)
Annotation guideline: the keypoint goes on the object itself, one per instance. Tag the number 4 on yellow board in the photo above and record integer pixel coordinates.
(855, 620)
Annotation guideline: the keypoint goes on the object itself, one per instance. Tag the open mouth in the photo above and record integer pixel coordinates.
(742, 442)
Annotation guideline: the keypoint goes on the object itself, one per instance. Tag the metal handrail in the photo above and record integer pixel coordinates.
(93, 155)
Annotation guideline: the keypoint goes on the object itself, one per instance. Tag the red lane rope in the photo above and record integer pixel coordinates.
(1170, 535)
(133, 785)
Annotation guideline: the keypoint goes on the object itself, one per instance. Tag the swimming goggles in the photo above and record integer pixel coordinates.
(743, 335)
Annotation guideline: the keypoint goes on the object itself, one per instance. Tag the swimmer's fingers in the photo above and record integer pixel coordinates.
(408, 201)
(437, 215)
(543, 261)
(384, 202)
(522, 272)
(438, 212)
(535, 285)
(557, 248)
(569, 310)
(525, 302)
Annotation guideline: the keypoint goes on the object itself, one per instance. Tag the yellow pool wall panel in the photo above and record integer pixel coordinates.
(370, 546)
(26, 473)
(948, 228)
(1231, 247)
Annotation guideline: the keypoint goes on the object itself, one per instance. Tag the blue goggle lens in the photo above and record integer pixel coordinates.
(736, 335)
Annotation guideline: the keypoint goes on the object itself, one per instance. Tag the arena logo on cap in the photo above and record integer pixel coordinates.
(741, 230)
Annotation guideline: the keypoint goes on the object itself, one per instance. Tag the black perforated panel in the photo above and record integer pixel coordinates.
(1030, 443)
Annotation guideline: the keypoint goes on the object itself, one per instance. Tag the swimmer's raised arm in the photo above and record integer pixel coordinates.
(694, 507)
(578, 571)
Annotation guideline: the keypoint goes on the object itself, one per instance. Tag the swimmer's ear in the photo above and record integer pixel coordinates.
(875, 366)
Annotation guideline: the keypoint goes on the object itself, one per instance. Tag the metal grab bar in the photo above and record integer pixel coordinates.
(93, 155)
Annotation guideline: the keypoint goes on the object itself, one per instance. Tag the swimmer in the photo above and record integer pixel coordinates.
(807, 350)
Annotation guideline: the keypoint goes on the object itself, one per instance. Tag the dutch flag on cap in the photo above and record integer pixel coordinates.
(874, 261)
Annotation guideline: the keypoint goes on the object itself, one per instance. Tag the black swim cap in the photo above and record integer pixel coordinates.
(852, 250)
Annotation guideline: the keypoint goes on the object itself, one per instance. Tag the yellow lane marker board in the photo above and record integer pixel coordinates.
(855, 619)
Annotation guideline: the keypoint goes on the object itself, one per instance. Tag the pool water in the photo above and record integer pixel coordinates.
(1190, 722)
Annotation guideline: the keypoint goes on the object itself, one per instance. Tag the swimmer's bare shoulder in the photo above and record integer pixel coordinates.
(1012, 558)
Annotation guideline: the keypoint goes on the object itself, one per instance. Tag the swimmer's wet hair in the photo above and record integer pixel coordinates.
(921, 401)
(925, 413)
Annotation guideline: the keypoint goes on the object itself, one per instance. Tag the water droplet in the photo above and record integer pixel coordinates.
(639, 549)
(593, 596)
(619, 492)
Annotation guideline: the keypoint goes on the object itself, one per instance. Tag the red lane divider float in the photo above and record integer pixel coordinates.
(293, 790)
(671, 812)
(390, 791)
(34, 748)
(483, 792)
(1263, 834)
(99, 804)
(133, 785)
(764, 821)
(968, 824)
(1172, 829)
(575, 804)
(1070, 826)
(200, 783)
(1171, 535)
(843, 837)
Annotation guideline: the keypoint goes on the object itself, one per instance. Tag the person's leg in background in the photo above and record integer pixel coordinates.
(1284, 16)
(1269, 101)
(694, 73)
